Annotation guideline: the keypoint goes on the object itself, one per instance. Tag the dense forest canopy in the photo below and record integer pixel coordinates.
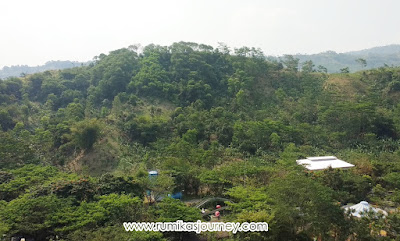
(76, 145)
(329, 61)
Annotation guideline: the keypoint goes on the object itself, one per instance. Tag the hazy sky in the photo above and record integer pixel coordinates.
(35, 31)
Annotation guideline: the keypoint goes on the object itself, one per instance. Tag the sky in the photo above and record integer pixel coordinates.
(34, 32)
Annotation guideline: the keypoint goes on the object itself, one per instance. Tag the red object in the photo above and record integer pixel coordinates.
(217, 213)
(218, 206)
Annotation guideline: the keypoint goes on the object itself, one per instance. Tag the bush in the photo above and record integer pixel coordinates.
(86, 133)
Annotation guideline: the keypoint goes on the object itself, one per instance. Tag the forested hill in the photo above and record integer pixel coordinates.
(374, 58)
(330, 61)
(76, 146)
(18, 70)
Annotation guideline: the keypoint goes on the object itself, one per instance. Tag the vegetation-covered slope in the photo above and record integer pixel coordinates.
(76, 145)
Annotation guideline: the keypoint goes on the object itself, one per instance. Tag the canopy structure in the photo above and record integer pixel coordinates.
(362, 208)
(323, 162)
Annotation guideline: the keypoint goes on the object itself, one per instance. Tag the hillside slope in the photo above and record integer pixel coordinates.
(77, 145)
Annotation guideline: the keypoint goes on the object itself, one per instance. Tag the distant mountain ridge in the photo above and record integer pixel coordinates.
(17, 70)
(388, 49)
(375, 57)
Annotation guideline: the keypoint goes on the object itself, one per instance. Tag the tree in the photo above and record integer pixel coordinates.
(307, 66)
(85, 133)
(6, 121)
(249, 200)
(14, 152)
(291, 62)
(144, 129)
(362, 62)
(116, 106)
(171, 210)
(345, 70)
(152, 79)
(352, 119)
(75, 111)
(251, 205)
(29, 216)
(304, 206)
(322, 69)
(113, 72)
(251, 136)
(159, 186)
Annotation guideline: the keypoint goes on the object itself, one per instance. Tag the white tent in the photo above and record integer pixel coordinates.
(363, 208)
(323, 162)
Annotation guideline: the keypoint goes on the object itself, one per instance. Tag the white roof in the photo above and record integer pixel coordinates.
(363, 208)
(323, 162)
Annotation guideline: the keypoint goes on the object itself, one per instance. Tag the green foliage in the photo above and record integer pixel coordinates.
(109, 208)
(43, 202)
(13, 152)
(303, 204)
(160, 186)
(6, 121)
(112, 73)
(345, 70)
(31, 216)
(114, 233)
(392, 180)
(307, 66)
(152, 79)
(251, 136)
(171, 210)
(19, 181)
(249, 199)
(75, 111)
(362, 62)
(144, 129)
(212, 122)
(347, 186)
(85, 133)
(291, 62)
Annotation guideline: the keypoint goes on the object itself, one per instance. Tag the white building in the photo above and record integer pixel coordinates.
(323, 162)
